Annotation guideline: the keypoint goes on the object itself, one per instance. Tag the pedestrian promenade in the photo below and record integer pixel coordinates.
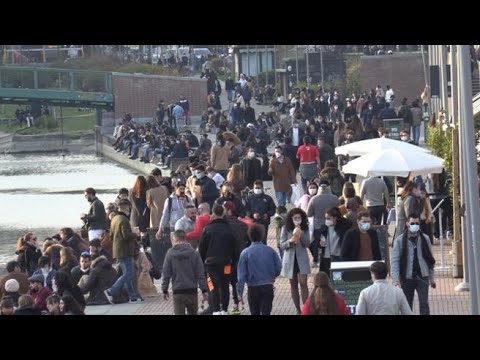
(443, 300)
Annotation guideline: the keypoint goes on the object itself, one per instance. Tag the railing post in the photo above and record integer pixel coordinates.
(35, 79)
(72, 80)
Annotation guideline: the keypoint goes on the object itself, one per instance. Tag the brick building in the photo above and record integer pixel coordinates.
(139, 94)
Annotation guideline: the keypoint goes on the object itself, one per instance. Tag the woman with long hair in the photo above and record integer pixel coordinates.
(312, 190)
(28, 253)
(324, 300)
(64, 286)
(294, 241)
(235, 178)
(331, 237)
(69, 306)
(140, 213)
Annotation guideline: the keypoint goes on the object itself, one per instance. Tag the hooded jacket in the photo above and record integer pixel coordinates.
(184, 267)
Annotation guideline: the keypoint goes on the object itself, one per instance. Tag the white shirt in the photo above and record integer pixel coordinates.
(382, 298)
(295, 137)
(388, 95)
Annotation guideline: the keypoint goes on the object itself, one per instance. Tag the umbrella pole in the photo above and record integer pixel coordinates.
(395, 202)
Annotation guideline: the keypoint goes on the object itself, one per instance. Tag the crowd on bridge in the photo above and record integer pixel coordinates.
(205, 227)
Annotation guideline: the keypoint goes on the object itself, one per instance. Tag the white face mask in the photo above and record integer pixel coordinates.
(251, 155)
(200, 174)
(297, 222)
(312, 191)
(329, 222)
(278, 154)
(257, 191)
(404, 138)
(413, 228)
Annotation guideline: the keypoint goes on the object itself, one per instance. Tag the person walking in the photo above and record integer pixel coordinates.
(294, 240)
(413, 264)
(382, 298)
(258, 267)
(183, 266)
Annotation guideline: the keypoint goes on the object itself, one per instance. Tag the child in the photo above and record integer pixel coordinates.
(279, 221)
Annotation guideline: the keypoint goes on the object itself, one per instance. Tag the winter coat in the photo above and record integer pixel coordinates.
(122, 237)
(294, 251)
(283, 174)
(102, 276)
(183, 265)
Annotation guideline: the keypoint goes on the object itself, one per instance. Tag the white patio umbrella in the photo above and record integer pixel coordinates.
(395, 162)
(364, 147)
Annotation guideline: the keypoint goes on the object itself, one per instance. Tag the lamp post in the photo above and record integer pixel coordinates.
(289, 79)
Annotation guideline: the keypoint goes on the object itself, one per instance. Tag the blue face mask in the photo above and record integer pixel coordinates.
(365, 226)
(413, 228)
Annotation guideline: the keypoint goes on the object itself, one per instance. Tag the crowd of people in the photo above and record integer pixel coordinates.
(205, 227)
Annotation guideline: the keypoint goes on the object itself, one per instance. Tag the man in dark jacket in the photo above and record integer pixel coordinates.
(290, 151)
(326, 151)
(102, 276)
(184, 266)
(251, 168)
(217, 249)
(239, 229)
(208, 188)
(260, 207)
(96, 219)
(361, 244)
(123, 248)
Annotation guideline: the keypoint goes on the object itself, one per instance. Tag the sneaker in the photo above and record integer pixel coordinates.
(223, 313)
(217, 313)
(164, 167)
(108, 296)
(134, 301)
(234, 311)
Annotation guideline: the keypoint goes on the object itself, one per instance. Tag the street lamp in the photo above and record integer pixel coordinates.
(289, 78)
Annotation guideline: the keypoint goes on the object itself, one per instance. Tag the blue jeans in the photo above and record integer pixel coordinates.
(230, 95)
(281, 198)
(128, 267)
(416, 134)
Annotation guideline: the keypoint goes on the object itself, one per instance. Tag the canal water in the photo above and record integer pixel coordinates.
(42, 193)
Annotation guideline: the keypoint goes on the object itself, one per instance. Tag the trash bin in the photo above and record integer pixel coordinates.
(349, 278)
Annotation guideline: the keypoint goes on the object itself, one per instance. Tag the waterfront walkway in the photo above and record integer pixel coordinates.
(443, 300)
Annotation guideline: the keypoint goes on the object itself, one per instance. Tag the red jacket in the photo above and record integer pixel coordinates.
(247, 221)
(342, 307)
(200, 223)
(40, 298)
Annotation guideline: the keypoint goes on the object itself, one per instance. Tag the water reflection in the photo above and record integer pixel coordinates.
(43, 193)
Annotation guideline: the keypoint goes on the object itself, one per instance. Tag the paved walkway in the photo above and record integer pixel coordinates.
(443, 300)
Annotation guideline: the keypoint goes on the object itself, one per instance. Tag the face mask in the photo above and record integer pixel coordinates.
(335, 107)
(329, 222)
(46, 269)
(200, 174)
(364, 226)
(278, 154)
(297, 222)
(312, 191)
(251, 155)
(370, 108)
(295, 126)
(413, 228)
(404, 138)
(257, 191)
(211, 175)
